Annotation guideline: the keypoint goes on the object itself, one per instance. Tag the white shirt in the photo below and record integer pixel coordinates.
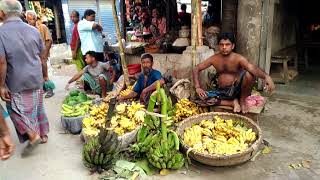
(91, 39)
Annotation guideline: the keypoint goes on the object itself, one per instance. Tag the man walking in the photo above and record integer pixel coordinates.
(32, 19)
(22, 56)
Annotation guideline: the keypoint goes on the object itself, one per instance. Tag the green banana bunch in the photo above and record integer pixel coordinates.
(99, 152)
(160, 145)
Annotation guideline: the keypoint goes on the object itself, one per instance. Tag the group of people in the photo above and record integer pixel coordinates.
(95, 69)
(144, 23)
(23, 71)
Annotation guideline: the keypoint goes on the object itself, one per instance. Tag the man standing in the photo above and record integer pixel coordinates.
(75, 42)
(236, 76)
(90, 35)
(32, 18)
(22, 56)
(183, 17)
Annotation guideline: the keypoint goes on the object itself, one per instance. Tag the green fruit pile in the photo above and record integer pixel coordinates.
(160, 145)
(100, 152)
(76, 104)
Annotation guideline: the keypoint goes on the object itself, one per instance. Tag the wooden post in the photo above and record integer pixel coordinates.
(122, 53)
(99, 12)
(194, 35)
(57, 22)
(199, 18)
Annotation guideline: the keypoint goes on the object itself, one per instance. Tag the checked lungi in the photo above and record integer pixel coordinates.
(27, 113)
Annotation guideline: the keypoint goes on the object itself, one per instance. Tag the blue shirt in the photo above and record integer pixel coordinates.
(153, 77)
(91, 39)
(21, 45)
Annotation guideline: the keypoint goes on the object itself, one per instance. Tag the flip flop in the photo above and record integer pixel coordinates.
(44, 139)
(49, 94)
(30, 147)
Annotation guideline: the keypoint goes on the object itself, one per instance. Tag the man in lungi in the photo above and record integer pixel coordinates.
(33, 20)
(236, 76)
(99, 76)
(22, 73)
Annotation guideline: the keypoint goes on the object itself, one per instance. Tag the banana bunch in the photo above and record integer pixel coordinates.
(193, 135)
(97, 119)
(74, 111)
(185, 108)
(127, 91)
(99, 152)
(133, 108)
(158, 155)
(127, 118)
(154, 140)
(218, 137)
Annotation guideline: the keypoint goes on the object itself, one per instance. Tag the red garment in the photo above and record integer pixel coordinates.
(75, 37)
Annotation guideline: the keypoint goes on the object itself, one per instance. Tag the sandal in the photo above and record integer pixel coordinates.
(49, 94)
(44, 139)
(30, 147)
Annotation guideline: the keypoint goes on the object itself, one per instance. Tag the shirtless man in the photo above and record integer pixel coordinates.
(236, 75)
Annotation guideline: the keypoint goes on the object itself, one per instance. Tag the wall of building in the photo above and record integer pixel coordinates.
(249, 29)
(284, 31)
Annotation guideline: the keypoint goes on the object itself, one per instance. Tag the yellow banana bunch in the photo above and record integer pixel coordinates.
(121, 108)
(133, 108)
(185, 108)
(193, 135)
(128, 117)
(91, 132)
(218, 137)
(127, 91)
(207, 132)
(96, 119)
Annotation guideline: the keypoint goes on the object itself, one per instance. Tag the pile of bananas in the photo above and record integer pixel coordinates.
(127, 91)
(75, 111)
(99, 152)
(97, 119)
(221, 137)
(185, 108)
(127, 118)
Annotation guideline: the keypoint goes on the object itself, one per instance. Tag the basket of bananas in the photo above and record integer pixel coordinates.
(220, 139)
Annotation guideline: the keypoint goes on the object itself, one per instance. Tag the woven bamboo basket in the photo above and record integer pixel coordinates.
(221, 160)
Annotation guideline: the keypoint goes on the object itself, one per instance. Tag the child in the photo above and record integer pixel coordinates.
(96, 75)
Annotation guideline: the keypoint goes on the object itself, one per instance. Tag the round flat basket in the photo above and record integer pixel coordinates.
(72, 124)
(221, 160)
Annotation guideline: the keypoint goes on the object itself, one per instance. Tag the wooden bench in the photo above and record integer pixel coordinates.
(283, 56)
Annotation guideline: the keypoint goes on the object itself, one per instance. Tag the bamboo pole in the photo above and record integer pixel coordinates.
(199, 18)
(194, 35)
(122, 54)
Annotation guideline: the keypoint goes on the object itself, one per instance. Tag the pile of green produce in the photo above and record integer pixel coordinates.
(76, 104)
(155, 141)
(100, 152)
